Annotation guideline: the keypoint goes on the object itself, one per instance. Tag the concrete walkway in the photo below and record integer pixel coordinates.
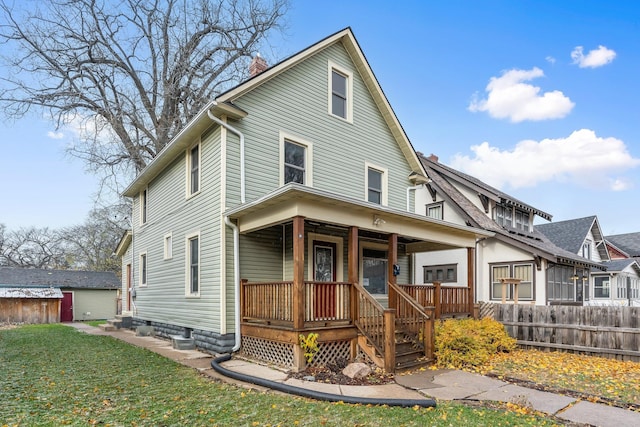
(438, 384)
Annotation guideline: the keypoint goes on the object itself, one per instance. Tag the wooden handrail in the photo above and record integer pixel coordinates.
(370, 320)
(413, 319)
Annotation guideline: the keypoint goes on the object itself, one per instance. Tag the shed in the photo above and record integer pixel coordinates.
(30, 304)
(84, 295)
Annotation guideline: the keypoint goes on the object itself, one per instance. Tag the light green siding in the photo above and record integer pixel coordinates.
(296, 102)
(94, 304)
(170, 211)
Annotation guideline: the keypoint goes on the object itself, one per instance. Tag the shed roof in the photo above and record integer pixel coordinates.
(29, 277)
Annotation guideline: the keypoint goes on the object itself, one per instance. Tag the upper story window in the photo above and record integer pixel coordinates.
(168, 246)
(434, 210)
(340, 92)
(193, 169)
(522, 220)
(144, 199)
(504, 215)
(376, 184)
(295, 160)
(586, 249)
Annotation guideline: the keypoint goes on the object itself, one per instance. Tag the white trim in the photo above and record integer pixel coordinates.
(332, 66)
(187, 259)
(308, 157)
(146, 270)
(168, 246)
(188, 192)
(385, 182)
(312, 237)
(363, 244)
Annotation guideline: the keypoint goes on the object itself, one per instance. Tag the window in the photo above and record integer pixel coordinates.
(504, 215)
(193, 170)
(565, 284)
(522, 221)
(586, 249)
(144, 199)
(445, 273)
(375, 184)
(435, 210)
(522, 271)
(193, 265)
(294, 163)
(601, 287)
(168, 243)
(340, 92)
(296, 160)
(143, 269)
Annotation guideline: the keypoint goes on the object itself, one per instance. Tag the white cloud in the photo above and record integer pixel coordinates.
(55, 135)
(510, 97)
(550, 59)
(582, 158)
(594, 59)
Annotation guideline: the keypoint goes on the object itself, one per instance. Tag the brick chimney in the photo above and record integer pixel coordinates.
(258, 65)
(433, 158)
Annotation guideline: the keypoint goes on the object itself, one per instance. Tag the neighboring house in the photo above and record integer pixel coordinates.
(626, 245)
(620, 283)
(548, 274)
(276, 209)
(85, 295)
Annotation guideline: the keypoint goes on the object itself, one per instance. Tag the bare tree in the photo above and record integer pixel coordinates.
(33, 248)
(90, 246)
(129, 73)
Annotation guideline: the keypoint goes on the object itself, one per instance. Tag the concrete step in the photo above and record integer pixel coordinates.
(179, 342)
(107, 327)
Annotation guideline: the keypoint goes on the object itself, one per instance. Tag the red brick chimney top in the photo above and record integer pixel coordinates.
(258, 65)
(433, 158)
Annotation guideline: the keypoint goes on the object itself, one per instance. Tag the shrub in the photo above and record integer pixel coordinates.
(470, 343)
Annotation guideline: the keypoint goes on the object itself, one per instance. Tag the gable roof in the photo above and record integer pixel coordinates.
(572, 233)
(28, 277)
(223, 105)
(535, 242)
(629, 243)
(618, 265)
(482, 188)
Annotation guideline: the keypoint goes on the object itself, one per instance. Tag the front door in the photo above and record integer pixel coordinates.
(374, 271)
(324, 270)
(66, 308)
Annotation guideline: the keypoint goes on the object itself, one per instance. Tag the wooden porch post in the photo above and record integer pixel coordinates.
(352, 277)
(390, 340)
(471, 279)
(392, 259)
(298, 272)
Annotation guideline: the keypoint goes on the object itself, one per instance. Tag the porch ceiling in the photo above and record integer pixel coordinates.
(297, 200)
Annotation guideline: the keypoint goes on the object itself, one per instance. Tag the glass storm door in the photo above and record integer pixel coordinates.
(374, 271)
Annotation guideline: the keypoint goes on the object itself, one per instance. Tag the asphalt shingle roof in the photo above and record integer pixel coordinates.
(569, 234)
(629, 242)
(18, 277)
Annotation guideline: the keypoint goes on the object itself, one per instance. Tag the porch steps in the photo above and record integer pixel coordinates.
(409, 355)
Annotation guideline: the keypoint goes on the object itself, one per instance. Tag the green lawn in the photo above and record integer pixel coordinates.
(54, 375)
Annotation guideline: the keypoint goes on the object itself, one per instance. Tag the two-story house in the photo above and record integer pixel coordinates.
(517, 251)
(620, 283)
(284, 207)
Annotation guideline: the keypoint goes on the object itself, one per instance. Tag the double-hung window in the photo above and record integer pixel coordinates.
(193, 169)
(601, 287)
(193, 265)
(434, 210)
(522, 221)
(296, 160)
(143, 269)
(340, 92)
(522, 271)
(375, 184)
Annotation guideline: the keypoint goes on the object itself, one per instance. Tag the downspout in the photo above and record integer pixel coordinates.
(236, 232)
(241, 136)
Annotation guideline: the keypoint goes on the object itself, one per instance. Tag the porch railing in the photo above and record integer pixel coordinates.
(414, 319)
(272, 302)
(370, 319)
(447, 300)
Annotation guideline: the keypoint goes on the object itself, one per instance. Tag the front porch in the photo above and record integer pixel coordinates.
(342, 263)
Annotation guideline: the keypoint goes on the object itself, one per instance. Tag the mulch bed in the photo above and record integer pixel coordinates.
(332, 374)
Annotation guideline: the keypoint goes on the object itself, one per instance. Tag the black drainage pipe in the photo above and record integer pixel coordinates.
(312, 394)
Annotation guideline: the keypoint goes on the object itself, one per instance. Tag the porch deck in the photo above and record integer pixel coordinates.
(347, 319)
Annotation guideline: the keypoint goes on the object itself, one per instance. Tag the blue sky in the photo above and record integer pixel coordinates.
(536, 98)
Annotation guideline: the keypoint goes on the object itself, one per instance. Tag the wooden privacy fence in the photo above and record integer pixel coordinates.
(612, 332)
